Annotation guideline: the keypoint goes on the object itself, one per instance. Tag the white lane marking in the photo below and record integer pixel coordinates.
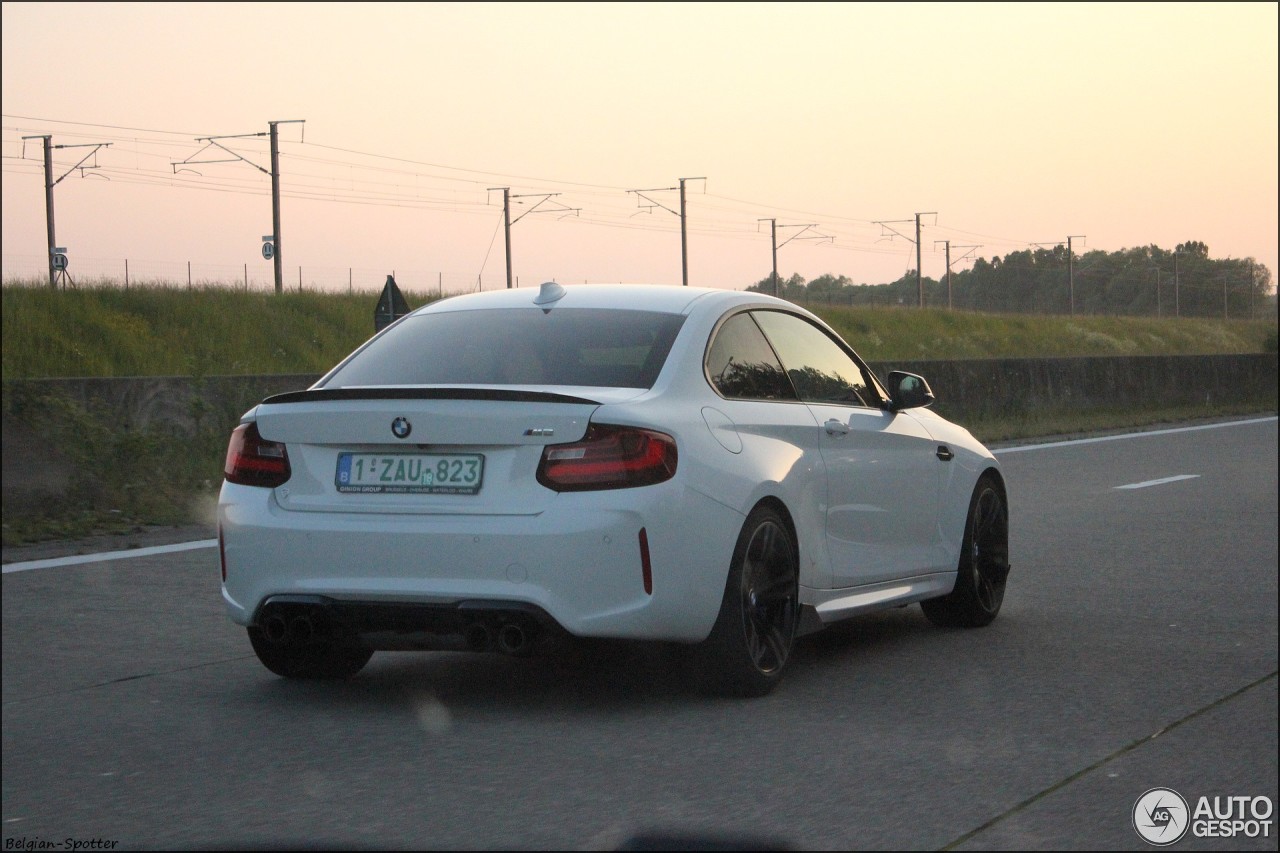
(1159, 482)
(57, 562)
(210, 543)
(1101, 438)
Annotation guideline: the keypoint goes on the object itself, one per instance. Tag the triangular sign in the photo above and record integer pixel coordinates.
(391, 306)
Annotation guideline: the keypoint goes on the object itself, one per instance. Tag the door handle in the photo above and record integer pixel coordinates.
(836, 428)
(944, 453)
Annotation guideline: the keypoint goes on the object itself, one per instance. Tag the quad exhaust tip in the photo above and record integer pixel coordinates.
(477, 637)
(275, 628)
(307, 624)
(301, 628)
(512, 639)
(509, 638)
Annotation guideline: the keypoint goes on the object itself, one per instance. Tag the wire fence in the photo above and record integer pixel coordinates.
(1210, 299)
(259, 276)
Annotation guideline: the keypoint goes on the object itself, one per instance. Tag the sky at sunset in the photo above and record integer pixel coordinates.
(1121, 125)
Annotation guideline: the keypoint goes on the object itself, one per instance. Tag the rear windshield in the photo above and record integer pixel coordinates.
(517, 346)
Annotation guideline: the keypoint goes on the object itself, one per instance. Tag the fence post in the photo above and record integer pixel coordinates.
(188, 275)
(299, 278)
(246, 278)
(349, 290)
(126, 273)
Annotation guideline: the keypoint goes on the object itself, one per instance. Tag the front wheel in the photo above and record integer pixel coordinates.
(751, 641)
(984, 564)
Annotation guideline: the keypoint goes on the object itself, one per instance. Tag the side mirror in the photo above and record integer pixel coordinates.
(908, 391)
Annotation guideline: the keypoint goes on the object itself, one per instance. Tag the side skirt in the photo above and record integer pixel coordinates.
(826, 606)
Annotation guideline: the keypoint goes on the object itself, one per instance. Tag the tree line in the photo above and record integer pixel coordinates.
(1147, 280)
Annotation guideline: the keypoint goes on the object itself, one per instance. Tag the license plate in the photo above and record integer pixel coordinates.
(410, 473)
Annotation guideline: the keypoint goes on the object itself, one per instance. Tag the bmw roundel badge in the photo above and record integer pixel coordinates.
(401, 427)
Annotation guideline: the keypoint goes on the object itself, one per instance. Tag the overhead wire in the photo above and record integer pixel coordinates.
(729, 217)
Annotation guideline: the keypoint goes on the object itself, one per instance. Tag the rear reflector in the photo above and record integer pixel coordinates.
(222, 552)
(609, 457)
(254, 461)
(646, 569)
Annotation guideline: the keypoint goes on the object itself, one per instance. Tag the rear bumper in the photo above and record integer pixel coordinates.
(578, 560)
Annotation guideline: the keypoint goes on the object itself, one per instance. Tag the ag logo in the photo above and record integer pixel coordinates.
(1161, 816)
(401, 427)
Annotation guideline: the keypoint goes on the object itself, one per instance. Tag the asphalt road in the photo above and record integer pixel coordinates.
(1137, 649)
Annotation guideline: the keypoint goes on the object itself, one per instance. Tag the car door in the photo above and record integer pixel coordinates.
(883, 474)
(776, 431)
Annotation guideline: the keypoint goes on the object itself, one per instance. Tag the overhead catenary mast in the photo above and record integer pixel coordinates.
(947, 244)
(276, 254)
(799, 235)
(508, 221)
(55, 258)
(684, 234)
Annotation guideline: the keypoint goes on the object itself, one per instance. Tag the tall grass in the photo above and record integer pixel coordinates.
(211, 330)
(885, 334)
(169, 331)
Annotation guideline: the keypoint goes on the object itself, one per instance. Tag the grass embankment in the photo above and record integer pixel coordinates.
(151, 331)
(210, 331)
(121, 478)
(885, 334)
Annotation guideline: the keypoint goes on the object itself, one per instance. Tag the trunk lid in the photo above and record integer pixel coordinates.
(499, 433)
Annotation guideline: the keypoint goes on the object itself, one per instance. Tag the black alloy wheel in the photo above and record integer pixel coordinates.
(750, 645)
(984, 563)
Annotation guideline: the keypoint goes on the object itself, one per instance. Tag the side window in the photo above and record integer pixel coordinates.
(741, 365)
(820, 369)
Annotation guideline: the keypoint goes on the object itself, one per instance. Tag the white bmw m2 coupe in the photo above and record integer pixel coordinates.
(706, 467)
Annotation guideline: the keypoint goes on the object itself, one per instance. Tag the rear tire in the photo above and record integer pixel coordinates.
(984, 564)
(329, 659)
(750, 644)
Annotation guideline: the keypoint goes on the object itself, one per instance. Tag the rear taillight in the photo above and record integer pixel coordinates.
(609, 457)
(254, 461)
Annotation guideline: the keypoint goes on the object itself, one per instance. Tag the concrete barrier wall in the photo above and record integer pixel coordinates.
(183, 402)
(42, 417)
(966, 389)
(1009, 387)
